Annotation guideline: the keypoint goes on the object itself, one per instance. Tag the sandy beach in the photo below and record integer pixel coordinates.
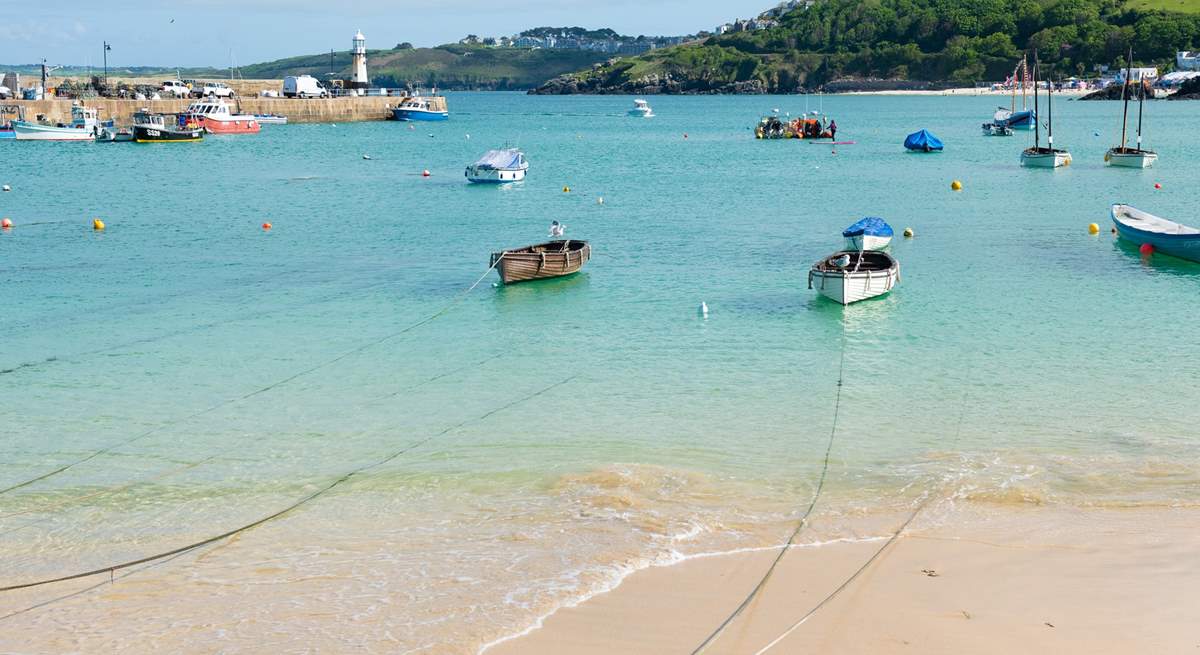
(965, 91)
(1099, 581)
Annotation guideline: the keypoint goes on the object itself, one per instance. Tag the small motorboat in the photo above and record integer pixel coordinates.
(216, 116)
(113, 134)
(85, 125)
(641, 109)
(850, 276)
(421, 108)
(870, 233)
(544, 260)
(271, 119)
(155, 128)
(1165, 236)
(997, 129)
(498, 167)
(923, 141)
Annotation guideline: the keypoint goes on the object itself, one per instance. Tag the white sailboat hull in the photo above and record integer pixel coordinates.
(867, 242)
(1046, 159)
(848, 287)
(1131, 160)
(480, 175)
(25, 131)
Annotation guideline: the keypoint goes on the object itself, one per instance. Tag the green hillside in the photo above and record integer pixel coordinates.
(447, 67)
(1182, 6)
(961, 41)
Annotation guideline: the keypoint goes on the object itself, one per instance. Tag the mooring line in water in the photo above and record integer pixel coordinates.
(837, 406)
(870, 560)
(305, 500)
(450, 305)
(175, 471)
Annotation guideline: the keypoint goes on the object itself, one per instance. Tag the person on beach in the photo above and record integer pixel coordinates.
(833, 129)
(557, 229)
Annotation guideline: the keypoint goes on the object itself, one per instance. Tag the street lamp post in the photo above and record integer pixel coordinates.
(106, 49)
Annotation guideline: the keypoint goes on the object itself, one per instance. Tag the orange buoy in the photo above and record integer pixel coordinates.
(266, 226)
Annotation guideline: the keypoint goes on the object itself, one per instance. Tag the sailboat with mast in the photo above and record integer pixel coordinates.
(1123, 155)
(1009, 117)
(1037, 156)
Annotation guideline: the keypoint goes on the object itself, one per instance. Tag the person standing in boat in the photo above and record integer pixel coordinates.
(557, 229)
(833, 129)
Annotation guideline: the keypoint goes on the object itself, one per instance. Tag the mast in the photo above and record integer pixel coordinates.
(1037, 114)
(1125, 97)
(1025, 82)
(1141, 99)
(1050, 113)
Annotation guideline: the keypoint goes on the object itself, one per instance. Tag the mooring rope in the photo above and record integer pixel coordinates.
(837, 405)
(453, 302)
(871, 560)
(307, 499)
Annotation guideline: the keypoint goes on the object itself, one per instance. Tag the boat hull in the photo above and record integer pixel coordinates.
(1022, 120)
(236, 125)
(1144, 159)
(560, 258)
(494, 175)
(8, 134)
(419, 115)
(867, 242)
(1055, 159)
(25, 131)
(850, 286)
(1185, 245)
(155, 134)
(269, 119)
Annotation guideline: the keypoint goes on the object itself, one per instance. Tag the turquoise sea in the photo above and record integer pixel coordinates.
(195, 373)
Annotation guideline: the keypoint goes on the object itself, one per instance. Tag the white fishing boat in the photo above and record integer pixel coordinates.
(85, 124)
(641, 109)
(1037, 156)
(498, 167)
(850, 276)
(1123, 156)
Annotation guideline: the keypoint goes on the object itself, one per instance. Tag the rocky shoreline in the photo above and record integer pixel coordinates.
(668, 84)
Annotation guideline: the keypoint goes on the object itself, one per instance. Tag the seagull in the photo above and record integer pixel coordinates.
(557, 229)
(842, 262)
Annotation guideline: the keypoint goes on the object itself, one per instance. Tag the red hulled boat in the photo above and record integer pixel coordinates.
(216, 117)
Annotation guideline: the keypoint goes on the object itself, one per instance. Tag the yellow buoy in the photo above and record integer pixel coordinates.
(1093, 229)
(908, 232)
(956, 185)
(97, 224)
(566, 189)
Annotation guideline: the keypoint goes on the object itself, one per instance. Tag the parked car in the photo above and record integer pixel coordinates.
(212, 90)
(175, 89)
(303, 86)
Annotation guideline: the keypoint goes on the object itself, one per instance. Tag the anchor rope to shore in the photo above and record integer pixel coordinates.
(212, 408)
(305, 500)
(837, 405)
(871, 560)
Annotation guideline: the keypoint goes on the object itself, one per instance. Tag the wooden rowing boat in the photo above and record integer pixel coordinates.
(540, 261)
(851, 276)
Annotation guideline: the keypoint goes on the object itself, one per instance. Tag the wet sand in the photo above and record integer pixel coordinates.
(1103, 581)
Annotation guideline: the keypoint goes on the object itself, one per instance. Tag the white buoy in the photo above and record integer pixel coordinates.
(366, 156)
(703, 309)
(468, 137)
(7, 188)
(600, 200)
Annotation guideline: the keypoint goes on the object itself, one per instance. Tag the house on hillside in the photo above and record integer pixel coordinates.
(1187, 61)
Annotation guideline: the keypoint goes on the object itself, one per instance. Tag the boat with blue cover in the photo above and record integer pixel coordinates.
(1164, 236)
(421, 108)
(923, 141)
(871, 233)
(499, 167)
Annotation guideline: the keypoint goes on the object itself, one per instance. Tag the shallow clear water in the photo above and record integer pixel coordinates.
(1021, 361)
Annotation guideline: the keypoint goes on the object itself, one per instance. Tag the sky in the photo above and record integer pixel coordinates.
(219, 32)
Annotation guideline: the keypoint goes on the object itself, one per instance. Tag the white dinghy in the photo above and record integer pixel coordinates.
(850, 276)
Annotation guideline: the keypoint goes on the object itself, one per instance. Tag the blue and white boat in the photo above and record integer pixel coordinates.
(871, 233)
(923, 141)
(1025, 119)
(1164, 236)
(84, 126)
(498, 167)
(421, 108)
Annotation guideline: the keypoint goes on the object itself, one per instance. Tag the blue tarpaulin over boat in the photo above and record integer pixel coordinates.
(869, 226)
(505, 159)
(923, 141)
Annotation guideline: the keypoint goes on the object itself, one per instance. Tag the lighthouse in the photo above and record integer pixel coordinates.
(359, 54)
